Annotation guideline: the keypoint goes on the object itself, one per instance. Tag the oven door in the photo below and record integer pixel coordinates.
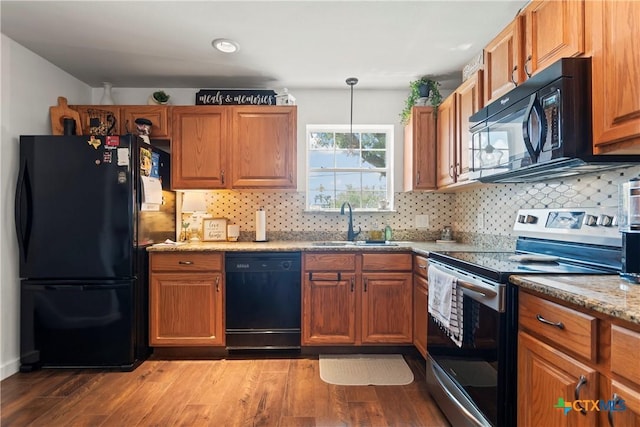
(471, 383)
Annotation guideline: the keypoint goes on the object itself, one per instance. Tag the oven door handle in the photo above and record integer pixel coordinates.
(475, 288)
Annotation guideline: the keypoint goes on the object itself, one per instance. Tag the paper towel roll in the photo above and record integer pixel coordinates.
(261, 225)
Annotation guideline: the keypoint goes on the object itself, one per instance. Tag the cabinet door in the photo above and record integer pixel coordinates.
(545, 376)
(629, 415)
(420, 301)
(502, 70)
(387, 308)
(198, 147)
(185, 309)
(554, 30)
(263, 147)
(447, 141)
(420, 150)
(157, 114)
(615, 67)
(329, 308)
(469, 100)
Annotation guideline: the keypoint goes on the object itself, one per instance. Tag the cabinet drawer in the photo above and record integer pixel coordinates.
(561, 326)
(625, 344)
(420, 265)
(331, 262)
(386, 262)
(186, 261)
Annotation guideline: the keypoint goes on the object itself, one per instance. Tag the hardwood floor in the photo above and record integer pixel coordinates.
(284, 392)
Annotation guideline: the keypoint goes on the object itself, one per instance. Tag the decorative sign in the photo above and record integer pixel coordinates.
(215, 229)
(235, 97)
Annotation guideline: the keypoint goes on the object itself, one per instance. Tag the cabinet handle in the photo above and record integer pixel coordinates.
(365, 284)
(222, 176)
(559, 325)
(422, 266)
(185, 262)
(217, 284)
(513, 80)
(526, 71)
(353, 285)
(452, 171)
(615, 399)
(418, 178)
(337, 279)
(581, 382)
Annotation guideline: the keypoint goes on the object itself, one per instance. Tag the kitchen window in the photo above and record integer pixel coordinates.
(344, 167)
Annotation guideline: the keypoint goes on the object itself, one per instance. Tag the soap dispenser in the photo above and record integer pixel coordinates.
(387, 233)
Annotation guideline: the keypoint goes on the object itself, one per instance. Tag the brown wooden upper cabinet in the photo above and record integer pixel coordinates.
(263, 147)
(234, 147)
(446, 142)
(553, 30)
(544, 32)
(199, 147)
(420, 150)
(501, 62)
(158, 114)
(616, 85)
(453, 131)
(123, 118)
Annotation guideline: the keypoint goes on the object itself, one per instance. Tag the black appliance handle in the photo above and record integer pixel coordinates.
(23, 219)
(534, 107)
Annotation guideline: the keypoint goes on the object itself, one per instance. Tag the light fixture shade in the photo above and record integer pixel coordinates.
(193, 201)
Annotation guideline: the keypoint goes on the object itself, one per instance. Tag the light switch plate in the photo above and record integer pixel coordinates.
(422, 221)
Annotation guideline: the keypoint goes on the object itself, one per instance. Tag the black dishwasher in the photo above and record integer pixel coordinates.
(263, 300)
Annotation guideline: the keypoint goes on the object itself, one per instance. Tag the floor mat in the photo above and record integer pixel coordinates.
(365, 369)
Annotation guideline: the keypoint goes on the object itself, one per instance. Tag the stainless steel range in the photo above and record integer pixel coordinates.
(473, 376)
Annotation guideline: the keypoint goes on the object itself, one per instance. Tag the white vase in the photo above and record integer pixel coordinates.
(107, 97)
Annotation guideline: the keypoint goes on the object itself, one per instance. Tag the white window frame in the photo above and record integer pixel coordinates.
(386, 129)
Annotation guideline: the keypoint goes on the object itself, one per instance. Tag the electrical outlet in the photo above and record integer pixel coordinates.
(480, 225)
(422, 221)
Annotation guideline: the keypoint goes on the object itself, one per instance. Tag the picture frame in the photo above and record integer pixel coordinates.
(214, 229)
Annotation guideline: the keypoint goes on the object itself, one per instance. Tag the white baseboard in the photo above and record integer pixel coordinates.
(9, 368)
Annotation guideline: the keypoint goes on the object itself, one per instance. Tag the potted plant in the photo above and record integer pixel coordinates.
(421, 88)
(159, 97)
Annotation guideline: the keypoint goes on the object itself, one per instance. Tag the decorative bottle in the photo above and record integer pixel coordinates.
(107, 97)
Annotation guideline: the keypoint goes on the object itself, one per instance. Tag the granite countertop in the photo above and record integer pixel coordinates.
(421, 248)
(609, 295)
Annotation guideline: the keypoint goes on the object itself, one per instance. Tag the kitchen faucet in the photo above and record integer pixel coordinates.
(351, 235)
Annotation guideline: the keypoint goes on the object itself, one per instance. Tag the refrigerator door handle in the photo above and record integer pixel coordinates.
(23, 210)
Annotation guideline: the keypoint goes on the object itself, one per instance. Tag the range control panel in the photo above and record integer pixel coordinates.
(597, 226)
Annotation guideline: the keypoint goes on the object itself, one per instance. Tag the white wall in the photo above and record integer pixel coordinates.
(30, 85)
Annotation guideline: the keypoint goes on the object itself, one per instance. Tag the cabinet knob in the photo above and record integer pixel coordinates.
(591, 220)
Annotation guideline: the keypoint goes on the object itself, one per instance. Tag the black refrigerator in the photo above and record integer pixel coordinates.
(82, 236)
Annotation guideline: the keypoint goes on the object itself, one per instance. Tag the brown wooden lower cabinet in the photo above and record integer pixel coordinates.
(355, 299)
(420, 302)
(546, 375)
(185, 299)
(572, 357)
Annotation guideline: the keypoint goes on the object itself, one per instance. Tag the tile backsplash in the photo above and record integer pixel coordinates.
(482, 215)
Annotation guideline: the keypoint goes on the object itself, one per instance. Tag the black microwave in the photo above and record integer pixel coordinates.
(540, 130)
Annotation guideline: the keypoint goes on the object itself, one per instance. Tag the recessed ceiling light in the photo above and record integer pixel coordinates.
(226, 45)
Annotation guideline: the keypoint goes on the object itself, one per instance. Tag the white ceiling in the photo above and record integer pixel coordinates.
(297, 44)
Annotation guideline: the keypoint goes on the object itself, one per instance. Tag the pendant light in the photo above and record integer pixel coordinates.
(351, 81)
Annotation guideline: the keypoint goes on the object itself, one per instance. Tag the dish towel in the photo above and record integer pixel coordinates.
(445, 303)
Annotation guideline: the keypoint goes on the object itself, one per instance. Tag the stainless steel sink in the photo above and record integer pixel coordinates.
(325, 243)
(357, 243)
